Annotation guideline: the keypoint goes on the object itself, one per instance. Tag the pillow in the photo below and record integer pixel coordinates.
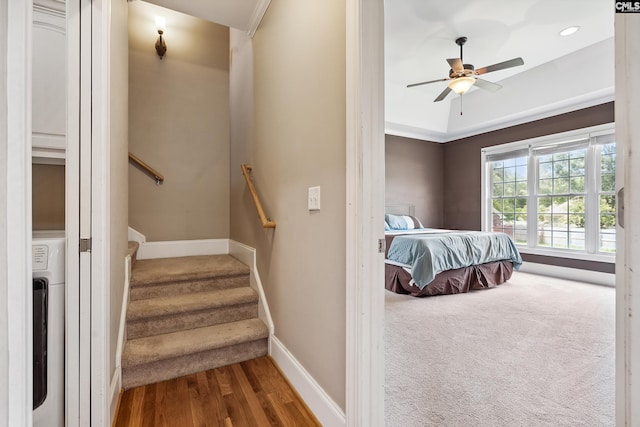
(402, 222)
(386, 225)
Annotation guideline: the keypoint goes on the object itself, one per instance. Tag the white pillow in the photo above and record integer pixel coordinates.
(402, 222)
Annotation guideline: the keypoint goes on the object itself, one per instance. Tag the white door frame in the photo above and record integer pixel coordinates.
(76, 384)
(365, 366)
(15, 216)
(365, 213)
(627, 36)
(87, 166)
(100, 213)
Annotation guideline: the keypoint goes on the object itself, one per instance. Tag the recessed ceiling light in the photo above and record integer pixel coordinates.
(569, 30)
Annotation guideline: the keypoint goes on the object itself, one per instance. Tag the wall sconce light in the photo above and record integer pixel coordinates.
(161, 46)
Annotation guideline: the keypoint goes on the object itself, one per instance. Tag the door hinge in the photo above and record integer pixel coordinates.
(620, 202)
(85, 245)
(382, 245)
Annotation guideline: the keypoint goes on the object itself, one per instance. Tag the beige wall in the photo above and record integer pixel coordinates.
(118, 176)
(413, 176)
(48, 197)
(293, 132)
(179, 124)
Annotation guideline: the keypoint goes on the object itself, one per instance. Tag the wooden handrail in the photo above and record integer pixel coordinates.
(266, 222)
(148, 169)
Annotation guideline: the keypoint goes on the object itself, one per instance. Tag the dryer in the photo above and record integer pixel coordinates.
(48, 259)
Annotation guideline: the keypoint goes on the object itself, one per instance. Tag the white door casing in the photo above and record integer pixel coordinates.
(87, 213)
(76, 363)
(627, 34)
(99, 212)
(15, 216)
(365, 213)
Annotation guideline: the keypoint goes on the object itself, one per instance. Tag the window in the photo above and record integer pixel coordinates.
(554, 195)
(510, 197)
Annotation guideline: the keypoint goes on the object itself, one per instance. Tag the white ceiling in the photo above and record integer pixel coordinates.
(559, 74)
(240, 14)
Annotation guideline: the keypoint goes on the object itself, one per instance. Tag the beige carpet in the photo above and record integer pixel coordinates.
(532, 352)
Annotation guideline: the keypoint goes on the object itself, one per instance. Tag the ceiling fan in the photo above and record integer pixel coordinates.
(463, 76)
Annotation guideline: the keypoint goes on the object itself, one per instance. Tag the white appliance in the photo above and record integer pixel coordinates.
(48, 252)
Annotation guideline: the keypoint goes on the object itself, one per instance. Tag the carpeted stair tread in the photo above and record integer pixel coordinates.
(132, 247)
(176, 344)
(182, 269)
(189, 314)
(173, 305)
(132, 250)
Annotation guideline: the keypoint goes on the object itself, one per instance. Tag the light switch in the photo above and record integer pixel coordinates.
(314, 198)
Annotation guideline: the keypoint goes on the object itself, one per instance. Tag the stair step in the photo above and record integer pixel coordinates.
(161, 357)
(153, 278)
(163, 315)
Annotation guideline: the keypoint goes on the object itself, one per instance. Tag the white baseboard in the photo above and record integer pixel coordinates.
(178, 248)
(576, 274)
(122, 327)
(135, 236)
(323, 407)
(116, 380)
(247, 255)
(116, 386)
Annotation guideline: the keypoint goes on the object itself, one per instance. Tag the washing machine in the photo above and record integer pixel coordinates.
(48, 259)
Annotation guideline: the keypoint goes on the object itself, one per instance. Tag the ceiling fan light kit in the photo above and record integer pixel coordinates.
(461, 85)
(463, 76)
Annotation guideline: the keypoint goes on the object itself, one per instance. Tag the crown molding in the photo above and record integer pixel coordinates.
(256, 16)
(591, 100)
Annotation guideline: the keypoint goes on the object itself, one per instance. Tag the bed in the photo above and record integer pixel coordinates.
(423, 261)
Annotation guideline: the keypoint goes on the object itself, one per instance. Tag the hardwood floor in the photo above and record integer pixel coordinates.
(252, 393)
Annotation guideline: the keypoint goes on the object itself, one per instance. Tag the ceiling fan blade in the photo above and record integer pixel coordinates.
(500, 66)
(487, 85)
(443, 94)
(426, 83)
(456, 65)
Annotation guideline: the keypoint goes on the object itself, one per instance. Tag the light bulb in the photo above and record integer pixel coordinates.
(160, 24)
(461, 85)
(568, 31)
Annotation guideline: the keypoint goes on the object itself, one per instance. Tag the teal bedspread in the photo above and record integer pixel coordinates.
(431, 253)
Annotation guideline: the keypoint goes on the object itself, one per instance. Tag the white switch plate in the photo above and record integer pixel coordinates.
(314, 198)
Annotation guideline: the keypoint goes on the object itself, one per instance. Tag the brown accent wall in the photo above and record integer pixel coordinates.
(414, 176)
(48, 203)
(462, 186)
(179, 124)
(604, 267)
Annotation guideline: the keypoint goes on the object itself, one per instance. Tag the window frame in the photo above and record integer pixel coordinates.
(565, 141)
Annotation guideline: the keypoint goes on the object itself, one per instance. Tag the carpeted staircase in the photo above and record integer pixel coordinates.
(189, 314)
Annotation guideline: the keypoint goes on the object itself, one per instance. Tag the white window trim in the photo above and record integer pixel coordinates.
(548, 140)
(568, 253)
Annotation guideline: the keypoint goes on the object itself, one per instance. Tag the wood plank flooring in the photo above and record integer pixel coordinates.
(251, 393)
